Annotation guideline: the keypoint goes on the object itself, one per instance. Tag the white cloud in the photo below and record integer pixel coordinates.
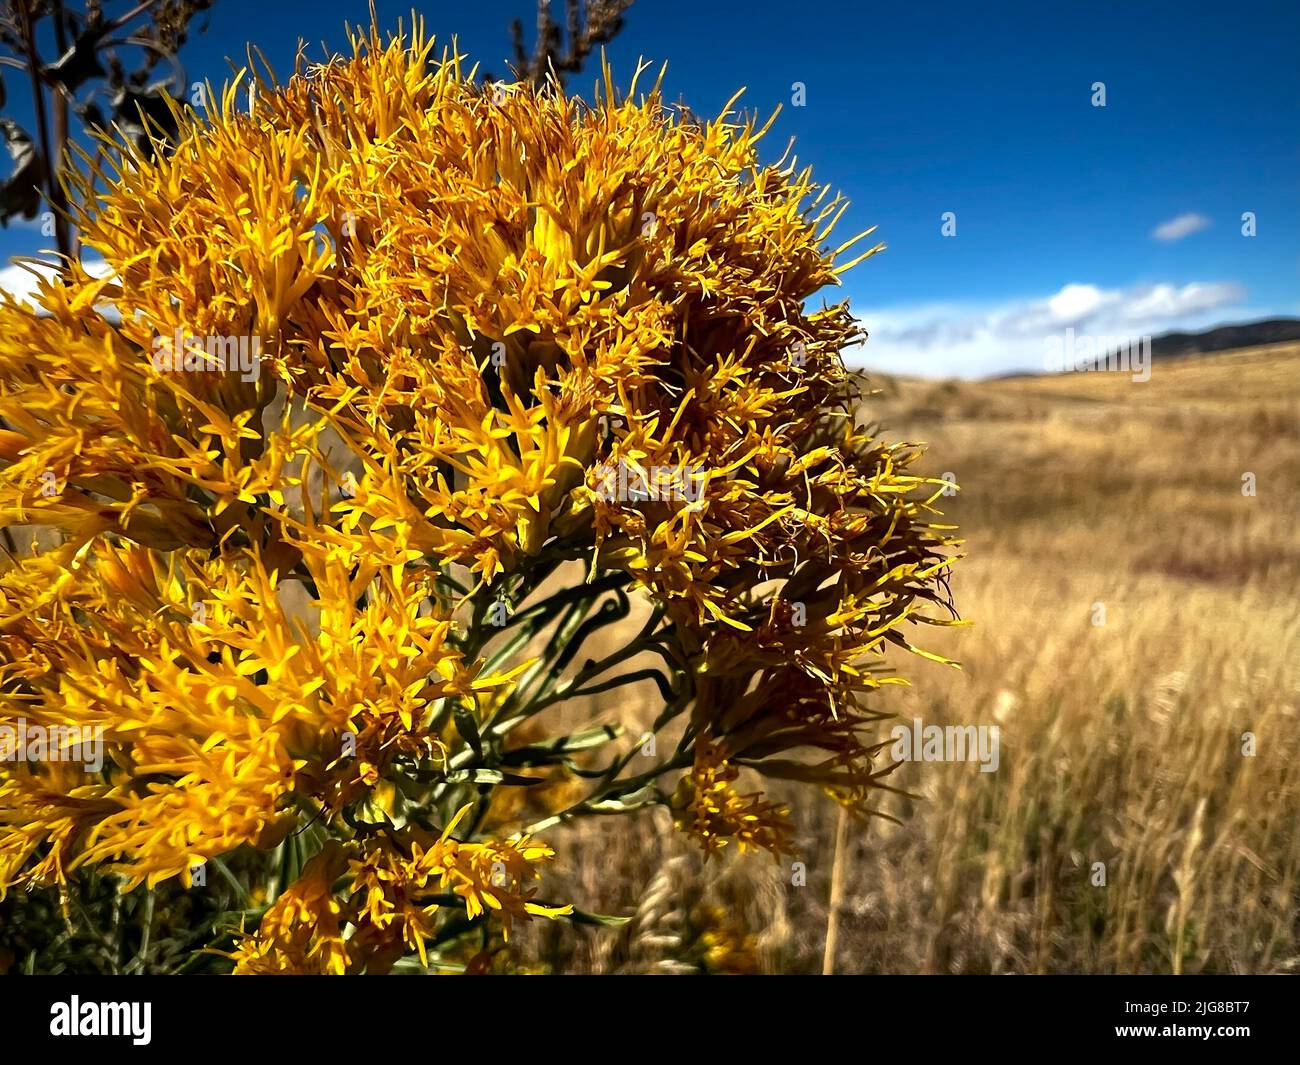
(975, 340)
(1182, 226)
(1075, 302)
(21, 282)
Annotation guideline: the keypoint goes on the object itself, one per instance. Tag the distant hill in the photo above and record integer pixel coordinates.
(1261, 386)
(1220, 338)
(1227, 337)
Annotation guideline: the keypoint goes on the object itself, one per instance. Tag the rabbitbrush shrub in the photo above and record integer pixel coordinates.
(397, 394)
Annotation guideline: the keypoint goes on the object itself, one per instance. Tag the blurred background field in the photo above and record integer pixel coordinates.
(1122, 743)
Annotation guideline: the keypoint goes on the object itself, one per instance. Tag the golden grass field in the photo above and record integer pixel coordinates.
(1121, 743)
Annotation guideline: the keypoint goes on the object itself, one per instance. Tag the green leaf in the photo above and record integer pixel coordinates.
(632, 800)
(490, 776)
(604, 919)
(467, 725)
(557, 749)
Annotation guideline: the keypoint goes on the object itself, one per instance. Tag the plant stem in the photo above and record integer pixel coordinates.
(837, 893)
(53, 166)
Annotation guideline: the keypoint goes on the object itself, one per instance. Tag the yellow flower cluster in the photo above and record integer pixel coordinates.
(710, 810)
(270, 585)
(392, 902)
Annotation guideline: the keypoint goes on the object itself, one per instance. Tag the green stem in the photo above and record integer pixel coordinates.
(623, 786)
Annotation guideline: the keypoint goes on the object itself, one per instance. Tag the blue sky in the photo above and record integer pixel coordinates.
(914, 110)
